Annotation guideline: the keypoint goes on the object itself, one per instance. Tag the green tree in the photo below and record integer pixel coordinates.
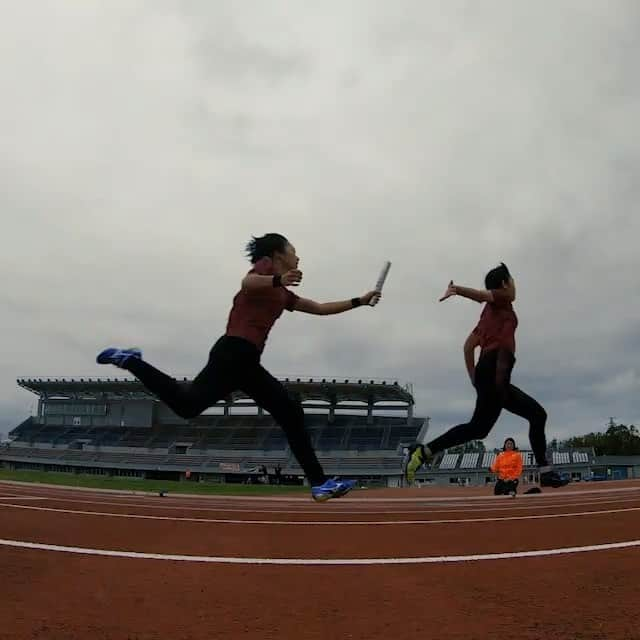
(617, 440)
(473, 446)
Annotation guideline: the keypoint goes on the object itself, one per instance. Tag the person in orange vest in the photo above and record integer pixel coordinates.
(508, 467)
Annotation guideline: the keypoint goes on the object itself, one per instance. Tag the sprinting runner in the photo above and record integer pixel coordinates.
(491, 377)
(234, 360)
(508, 467)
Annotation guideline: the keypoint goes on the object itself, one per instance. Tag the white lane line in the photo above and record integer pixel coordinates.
(336, 512)
(314, 523)
(352, 498)
(318, 561)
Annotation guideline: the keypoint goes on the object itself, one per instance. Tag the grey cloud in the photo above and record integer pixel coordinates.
(143, 145)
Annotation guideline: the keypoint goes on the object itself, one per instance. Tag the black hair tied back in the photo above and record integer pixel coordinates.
(265, 246)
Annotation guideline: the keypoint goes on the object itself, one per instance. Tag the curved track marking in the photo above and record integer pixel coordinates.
(308, 523)
(112, 553)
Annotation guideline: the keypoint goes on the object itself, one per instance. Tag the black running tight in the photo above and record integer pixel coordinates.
(494, 395)
(234, 364)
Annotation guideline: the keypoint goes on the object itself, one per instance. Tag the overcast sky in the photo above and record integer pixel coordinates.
(143, 143)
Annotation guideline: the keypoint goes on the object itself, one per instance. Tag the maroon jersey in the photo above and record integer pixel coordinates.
(497, 326)
(254, 312)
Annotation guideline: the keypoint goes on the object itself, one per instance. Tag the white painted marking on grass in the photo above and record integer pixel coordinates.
(318, 561)
(309, 523)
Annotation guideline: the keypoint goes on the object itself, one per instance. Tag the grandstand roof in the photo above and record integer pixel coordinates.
(327, 390)
(620, 461)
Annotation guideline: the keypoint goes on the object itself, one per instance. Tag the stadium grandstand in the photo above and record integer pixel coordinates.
(115, 427)
(359, 428)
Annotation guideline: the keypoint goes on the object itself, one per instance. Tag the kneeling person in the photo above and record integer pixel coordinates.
(508, 467)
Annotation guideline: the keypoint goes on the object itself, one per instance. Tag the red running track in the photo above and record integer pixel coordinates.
(376, 564)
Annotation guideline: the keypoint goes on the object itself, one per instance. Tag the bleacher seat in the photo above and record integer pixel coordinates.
(449, 461)
(275, 440)
(527, 458)
(403, 434)
(488, 459)
(330, 438)
(247, 440)
(469, 460)
(561, 457)
(363, 439)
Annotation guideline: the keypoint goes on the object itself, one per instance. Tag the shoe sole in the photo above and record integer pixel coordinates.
(323, 497)
(103, 359)
(100, 359)
(344, 492)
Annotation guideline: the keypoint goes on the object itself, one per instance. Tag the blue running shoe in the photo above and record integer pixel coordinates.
(118, 356)
(332, 488)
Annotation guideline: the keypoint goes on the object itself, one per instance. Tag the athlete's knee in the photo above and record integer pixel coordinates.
(290, 415)
(539, 417)
(479, 430)
(294, 413)
(187, 412)
(189, 407)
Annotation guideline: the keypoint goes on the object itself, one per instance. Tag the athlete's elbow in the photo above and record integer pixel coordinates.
(470, 345)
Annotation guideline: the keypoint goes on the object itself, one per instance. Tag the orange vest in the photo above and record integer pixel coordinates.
(508, 465)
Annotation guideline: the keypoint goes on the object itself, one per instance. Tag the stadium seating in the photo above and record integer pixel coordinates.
(561, 457)
(402, 435)
(580, 456)
(363, 439)
(469, 461)
(527, 458)
(449, 461)
(488, 458)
